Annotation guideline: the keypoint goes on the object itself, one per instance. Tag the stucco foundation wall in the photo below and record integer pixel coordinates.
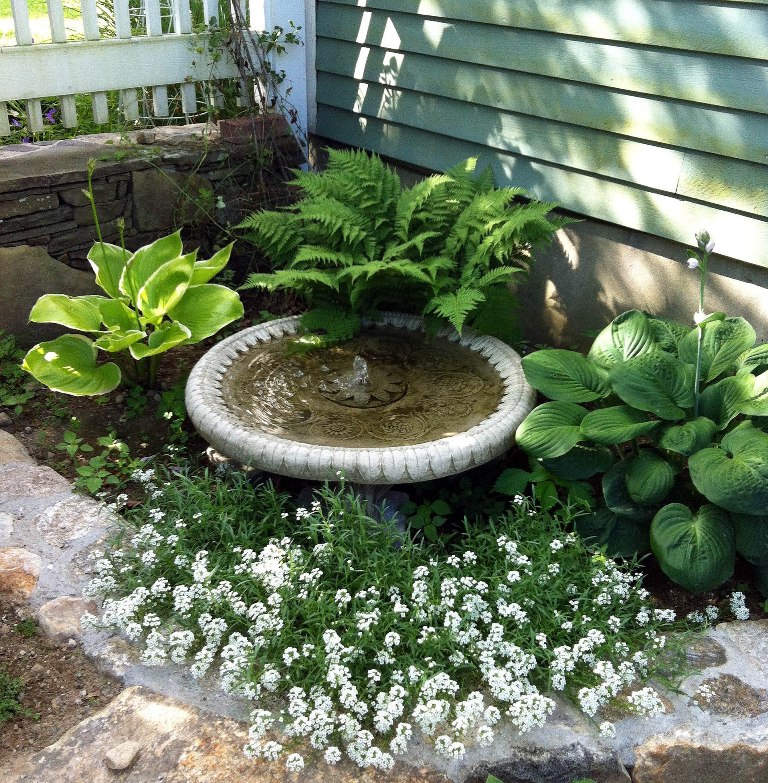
(593, 271)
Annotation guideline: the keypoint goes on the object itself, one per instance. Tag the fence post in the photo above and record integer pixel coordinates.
(298, 62)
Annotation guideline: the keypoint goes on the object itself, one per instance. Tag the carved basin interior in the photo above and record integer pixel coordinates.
(390, 406)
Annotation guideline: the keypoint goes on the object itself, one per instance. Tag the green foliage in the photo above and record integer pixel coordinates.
(14, 382)
(157, 298)
(10, 691)
(111, 467)
(672, 479)
(358, 240)
(28, 628)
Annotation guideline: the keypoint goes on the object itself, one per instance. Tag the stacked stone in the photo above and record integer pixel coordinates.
(152, 181)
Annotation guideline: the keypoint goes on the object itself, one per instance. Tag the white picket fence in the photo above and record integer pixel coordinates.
(166, 54)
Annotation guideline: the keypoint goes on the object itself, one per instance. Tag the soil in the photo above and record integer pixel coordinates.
(61, 685)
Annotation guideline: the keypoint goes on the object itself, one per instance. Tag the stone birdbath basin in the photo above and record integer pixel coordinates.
(388, 407)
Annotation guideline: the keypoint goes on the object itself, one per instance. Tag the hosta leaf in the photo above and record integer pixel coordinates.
(617, 497)
(551, 429)
(628, 335)
(76, 312)
(512, 481)
(620, 536)
(108, 262)
(565, 375)
(207, 268)
(207, 308)
(722, 345)
(581, 462)
(688, 438)
(734, 476)
(649, 478)
(655, 382)
(667, 333)
(161, 340)
(118, 317)
(146, 261)
(165, 287)
(696, 551)
(754, 357)
(723, 401)
(119, 341)
(68, 365)
(760, 577)
(752, 537)
(617, 424)
(758, 404)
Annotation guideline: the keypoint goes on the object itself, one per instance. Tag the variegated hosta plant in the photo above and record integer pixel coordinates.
(683, 465)
(156, 298)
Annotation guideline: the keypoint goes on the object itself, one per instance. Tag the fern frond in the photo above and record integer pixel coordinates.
(276, 233)
(498, 315)
(301, 279)
(413, 200)
(310, 255)
(335, 323)
(434, 265)
(334, 223)
(401, 250)
(525, 225)
(455, 306)
(501, 275)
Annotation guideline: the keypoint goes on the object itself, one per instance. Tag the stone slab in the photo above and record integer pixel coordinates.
(19, 572)
(11, 450)
(683, 757)
(103, 190)
(178, 744)
(25, 205)
(46, 217)
(59, 619)
(72, 519)
(28, 481)
(28, 273)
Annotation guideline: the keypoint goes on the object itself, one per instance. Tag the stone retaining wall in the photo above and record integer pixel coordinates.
(155, 180)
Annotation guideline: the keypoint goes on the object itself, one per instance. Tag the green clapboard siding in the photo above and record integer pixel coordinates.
(652, 114)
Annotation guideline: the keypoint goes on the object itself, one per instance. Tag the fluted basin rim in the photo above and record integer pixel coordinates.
(379, 465)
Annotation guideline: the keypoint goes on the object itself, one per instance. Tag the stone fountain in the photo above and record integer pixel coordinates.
(388, 407)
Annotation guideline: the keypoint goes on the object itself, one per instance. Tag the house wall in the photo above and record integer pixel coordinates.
(651, 115)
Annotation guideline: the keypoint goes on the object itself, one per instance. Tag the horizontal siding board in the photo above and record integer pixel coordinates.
(727, 182)
(711, 80)
(737, 236)
(585, 149)
(733, 134)
(714, 27)
(736, 185)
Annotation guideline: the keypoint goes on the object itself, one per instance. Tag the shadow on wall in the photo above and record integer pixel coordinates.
(593, 271)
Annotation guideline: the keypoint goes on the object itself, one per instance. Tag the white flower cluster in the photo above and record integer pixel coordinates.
(440, 653)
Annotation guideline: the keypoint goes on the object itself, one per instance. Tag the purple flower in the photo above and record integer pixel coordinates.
(15, 122)
(50, 115)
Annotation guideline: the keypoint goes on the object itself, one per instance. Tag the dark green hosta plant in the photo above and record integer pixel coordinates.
(358, 241)
(156, 298)
(673, 421)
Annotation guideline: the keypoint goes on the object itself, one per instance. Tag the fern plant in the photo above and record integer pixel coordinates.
(358, 242)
